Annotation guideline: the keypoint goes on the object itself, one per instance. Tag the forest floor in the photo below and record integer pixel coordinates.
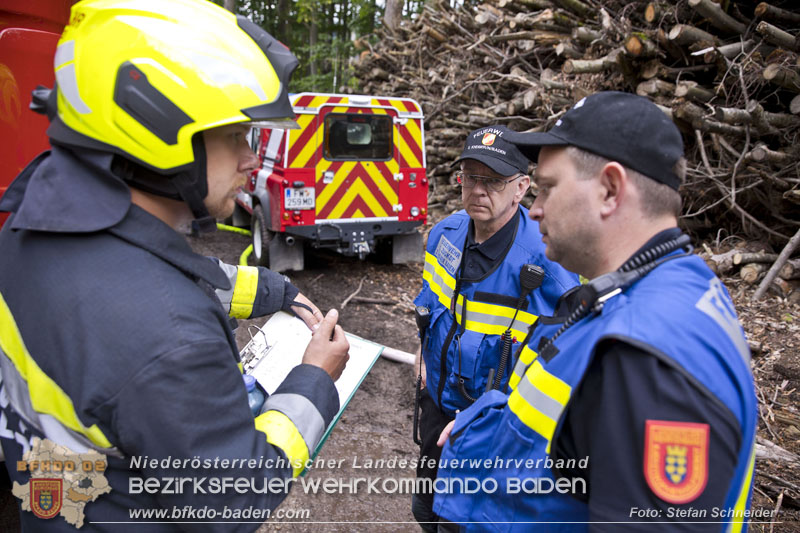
(373, 438)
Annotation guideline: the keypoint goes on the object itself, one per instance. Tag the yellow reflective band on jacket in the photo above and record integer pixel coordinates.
(482, 317)
(539, 400)
(441, 283)
(737, 520)
(244, 292)
(491, 319)
(526, 357)
(281, 432)
(45, 395)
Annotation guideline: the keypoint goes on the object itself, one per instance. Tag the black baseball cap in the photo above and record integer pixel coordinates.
(489, 146)
(619, 126)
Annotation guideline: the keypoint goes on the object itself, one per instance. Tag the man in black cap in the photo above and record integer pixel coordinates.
(639, 406)
(480, 303)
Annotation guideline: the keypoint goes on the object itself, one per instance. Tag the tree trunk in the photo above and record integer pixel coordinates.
(313, 63)
(281, 29)
(393, 14)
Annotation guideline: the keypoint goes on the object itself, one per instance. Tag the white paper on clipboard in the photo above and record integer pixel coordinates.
(278, 346)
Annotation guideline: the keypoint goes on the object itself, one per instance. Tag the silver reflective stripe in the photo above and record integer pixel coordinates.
(494, 320)
(542, 402)
(303, 414)
(226, 295)
(65, 76)
(64, 53)
(520, 368)
(270, 156)
(16, 390)
(717, 305)
(430, 267)
(437, 279)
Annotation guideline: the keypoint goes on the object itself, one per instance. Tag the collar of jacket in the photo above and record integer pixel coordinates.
(75, 191)
(67, 191)
(145, 231)
(495, 246)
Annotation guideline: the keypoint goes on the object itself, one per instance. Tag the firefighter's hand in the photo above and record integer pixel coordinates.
(328, 347)
(419, 363)
(445, 433)
(311, 318)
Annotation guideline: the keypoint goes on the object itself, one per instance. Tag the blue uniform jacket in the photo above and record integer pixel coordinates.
(504, 443)
(465, 344)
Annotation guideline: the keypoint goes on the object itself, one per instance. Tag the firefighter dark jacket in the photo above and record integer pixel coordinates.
(113, 339)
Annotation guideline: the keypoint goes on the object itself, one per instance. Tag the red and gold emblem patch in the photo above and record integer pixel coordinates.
(46, 497)
(488, 139)
(676, 459)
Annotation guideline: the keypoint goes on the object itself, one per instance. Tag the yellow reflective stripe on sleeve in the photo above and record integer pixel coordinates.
(441, 283)
(526, 357)
(548, 383)
(737, 520)
(244, 292)
(531, 417)
(281, 432)
(539, 400)
(45, 395)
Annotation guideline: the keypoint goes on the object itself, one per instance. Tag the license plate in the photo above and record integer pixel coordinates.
(299, 198)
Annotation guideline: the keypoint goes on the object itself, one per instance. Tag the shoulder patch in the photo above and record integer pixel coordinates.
(676, 459)
(448, 255)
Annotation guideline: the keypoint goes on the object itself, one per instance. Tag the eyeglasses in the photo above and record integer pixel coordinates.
(468, 181)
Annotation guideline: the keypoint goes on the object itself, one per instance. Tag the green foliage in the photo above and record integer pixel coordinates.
(319, 33)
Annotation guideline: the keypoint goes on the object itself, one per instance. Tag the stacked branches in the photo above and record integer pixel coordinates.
(728, 77)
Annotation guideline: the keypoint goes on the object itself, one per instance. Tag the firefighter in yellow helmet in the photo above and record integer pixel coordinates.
(115, 338)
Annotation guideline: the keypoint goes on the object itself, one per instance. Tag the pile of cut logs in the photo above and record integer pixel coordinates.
(751, 268)
(726, 71)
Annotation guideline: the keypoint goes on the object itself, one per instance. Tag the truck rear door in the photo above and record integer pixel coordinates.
(356, 173)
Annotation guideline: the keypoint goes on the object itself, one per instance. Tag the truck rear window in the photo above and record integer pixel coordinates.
(358, 137)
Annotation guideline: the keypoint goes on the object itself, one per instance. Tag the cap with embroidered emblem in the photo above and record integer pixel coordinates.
(619, 126)
(489, 146)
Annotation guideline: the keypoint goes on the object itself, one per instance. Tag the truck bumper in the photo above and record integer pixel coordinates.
(354, 238)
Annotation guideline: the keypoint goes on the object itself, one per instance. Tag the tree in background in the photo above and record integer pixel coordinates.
(321, 33)
(393, 13)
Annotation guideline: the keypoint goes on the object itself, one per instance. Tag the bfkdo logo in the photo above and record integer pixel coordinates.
(46, 496)
(488, 139)
(676, 459)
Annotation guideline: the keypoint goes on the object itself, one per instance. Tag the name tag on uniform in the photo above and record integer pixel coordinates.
(448, 255)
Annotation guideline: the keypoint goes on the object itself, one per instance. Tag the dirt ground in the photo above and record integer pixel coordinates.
(377, 424)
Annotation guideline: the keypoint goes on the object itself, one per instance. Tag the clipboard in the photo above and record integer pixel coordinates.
(278, 346)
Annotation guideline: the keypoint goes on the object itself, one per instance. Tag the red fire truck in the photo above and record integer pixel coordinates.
(29, 32)
(351, 178)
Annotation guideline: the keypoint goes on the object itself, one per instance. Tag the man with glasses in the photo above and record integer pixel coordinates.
(636, 411)
(479, 309)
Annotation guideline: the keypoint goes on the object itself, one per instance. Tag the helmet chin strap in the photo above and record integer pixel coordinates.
(192, 186)
(185, 184)
(189, 186)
